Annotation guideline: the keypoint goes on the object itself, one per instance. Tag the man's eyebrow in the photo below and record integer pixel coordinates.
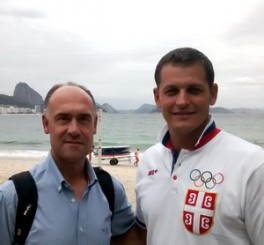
(66, 114)
(170, 86)
(62, 113)
(85, 115)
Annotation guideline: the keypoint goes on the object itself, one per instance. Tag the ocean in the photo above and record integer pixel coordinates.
(22, 135)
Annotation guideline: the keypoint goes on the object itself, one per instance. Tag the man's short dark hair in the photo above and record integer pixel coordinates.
(186, 57)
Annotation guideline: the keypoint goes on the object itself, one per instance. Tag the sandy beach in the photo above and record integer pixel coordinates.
(124, 172)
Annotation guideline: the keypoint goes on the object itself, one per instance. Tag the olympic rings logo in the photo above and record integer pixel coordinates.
(206, 178)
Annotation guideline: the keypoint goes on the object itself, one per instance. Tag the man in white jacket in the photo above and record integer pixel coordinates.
(198, 185)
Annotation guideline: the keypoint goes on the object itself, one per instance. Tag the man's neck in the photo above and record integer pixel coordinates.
(187, 141)
(75, 173)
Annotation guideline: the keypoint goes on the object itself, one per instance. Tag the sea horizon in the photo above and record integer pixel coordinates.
(136, 130)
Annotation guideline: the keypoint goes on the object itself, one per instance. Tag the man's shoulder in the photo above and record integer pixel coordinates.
(117, 185)
(157, 148)
(240, 143)
(38, 170)
(152, 157)
(7, 189)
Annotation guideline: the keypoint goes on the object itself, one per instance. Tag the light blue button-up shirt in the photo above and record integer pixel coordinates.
(60, 218)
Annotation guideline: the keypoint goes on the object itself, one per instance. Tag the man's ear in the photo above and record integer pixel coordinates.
(214, 93)
(45, 123)
(156, 96)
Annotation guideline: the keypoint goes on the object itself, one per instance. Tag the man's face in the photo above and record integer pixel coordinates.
(71, 121)
(184, 97)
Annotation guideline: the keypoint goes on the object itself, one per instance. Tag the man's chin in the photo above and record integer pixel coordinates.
(181, 127)
(74, 153)
(74, 157)
(73, 147)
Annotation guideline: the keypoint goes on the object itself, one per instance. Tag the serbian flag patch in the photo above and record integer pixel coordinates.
(198, 212)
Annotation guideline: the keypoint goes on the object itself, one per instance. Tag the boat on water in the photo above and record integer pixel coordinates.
(113, 153)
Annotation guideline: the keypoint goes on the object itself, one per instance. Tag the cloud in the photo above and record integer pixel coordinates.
(112, 47)
(19, 12)
(249, 31)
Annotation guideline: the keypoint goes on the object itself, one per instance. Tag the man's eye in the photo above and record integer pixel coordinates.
(85, 119)
(62, 119)
(194, 90)
(170, 92)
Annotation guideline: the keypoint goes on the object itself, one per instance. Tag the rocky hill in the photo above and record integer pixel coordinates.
(23, 96)
(107, 108)
(220, 110)
(147, 108)
(26, 94)
(12, 101)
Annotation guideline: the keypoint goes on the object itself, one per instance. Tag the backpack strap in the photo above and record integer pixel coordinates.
(106, 183)
(27, 204)
(28, 198)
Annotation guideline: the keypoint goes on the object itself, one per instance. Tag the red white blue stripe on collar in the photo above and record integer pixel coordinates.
(207, 135)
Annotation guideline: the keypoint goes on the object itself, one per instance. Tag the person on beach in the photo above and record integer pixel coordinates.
(72, 208)
(136, 153)
(199, 184)
(90, 153)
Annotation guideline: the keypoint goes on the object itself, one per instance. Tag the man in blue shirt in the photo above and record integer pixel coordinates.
(72, 208)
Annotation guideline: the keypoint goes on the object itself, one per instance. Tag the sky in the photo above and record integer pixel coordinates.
(112, 47)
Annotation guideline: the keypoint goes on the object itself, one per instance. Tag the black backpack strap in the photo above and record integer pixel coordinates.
(106, 183)
(27, 204)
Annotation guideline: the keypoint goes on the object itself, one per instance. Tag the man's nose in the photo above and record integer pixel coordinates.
(73, 127)
(182, 98)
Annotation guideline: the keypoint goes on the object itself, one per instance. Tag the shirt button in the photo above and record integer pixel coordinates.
(59, 189)
(73, 200)
(174, 177)
(81, 229)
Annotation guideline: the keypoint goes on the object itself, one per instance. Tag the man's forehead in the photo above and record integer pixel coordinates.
(71, 110)
(71, 104)
(68, 94)
(68, 89)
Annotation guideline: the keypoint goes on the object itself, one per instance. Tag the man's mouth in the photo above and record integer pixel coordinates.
(73, 142)
(183, 113)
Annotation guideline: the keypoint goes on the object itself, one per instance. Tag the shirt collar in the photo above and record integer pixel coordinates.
(209, 132)
(57, 176)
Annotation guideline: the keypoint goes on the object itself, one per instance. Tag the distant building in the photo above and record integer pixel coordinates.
(8, 109)
(3, 109)
(38, 109)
